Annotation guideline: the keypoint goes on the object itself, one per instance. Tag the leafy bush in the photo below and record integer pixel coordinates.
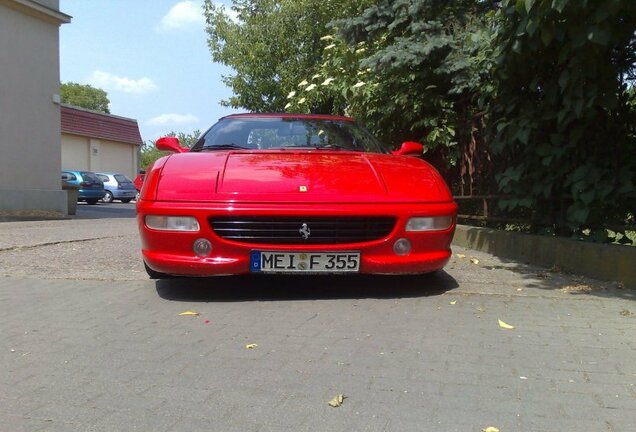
(533, 99)
(564, 114)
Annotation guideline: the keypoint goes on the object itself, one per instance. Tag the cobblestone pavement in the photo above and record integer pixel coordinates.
(88, 343)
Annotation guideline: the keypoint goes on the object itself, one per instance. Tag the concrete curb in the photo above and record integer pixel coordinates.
(599, 261)
(30, 215)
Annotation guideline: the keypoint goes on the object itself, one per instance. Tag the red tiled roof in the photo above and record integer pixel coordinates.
(79, 121)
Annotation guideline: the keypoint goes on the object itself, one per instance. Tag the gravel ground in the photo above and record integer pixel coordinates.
(105, 249)
(109, 249)
(89, 343)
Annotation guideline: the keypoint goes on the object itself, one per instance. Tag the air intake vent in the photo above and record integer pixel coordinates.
(303, 230)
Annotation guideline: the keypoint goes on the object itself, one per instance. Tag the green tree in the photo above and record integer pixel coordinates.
(271, 45)
(148, 153)
(399, 70)
(186, 139)
(408, 69)
(545, 85)
(412, 70)
(84, 96)
(564, 116)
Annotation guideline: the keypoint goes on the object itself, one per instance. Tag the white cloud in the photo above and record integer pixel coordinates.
(182, 15)
(172, 119)
(110, 82)
(187, 14)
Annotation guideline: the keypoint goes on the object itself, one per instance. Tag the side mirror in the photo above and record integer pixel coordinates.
(409, 148)
(170, 144)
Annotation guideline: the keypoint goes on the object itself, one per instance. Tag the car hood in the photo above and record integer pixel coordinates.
(299, 176)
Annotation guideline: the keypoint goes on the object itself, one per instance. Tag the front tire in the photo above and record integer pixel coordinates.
(108, 198)
(155, 274)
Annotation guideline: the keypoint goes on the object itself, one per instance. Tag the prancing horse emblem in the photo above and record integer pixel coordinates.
(304, 231)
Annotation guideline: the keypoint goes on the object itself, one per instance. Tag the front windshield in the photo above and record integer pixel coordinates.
(288, 133)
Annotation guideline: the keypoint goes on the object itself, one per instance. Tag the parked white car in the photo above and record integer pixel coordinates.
(117, 187)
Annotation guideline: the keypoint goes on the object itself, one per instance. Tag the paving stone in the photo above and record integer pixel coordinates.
(140, 419)
(83, 354)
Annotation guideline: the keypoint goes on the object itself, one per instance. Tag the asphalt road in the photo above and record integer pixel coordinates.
(114, 210)
(89, 343)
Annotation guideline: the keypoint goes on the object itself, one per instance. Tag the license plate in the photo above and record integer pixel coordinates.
(304, 262)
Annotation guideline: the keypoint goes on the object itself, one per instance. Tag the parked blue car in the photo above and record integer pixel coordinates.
(91, 188)
(118, 187)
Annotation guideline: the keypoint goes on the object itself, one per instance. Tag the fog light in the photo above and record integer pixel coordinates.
(202, 247)
(402, 247)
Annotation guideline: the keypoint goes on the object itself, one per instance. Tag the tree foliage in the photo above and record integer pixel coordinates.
(531, 98)
(148, 153)
(408, 69)
(564, 114)
(84, 96)
(270, 45)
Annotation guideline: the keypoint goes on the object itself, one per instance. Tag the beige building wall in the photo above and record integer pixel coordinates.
(75, 153)
(29, 115)
(91, 154)
(118, 157)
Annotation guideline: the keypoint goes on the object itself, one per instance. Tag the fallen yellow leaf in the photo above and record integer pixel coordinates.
(490, 429)
(504, 325)
(474, 260)
(337, 400)
(453, 302)
(577, 288)
(193, 313)
(461, 256)
(251, 346)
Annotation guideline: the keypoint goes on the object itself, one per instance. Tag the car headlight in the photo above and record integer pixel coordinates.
(431, 223)
(172, 223)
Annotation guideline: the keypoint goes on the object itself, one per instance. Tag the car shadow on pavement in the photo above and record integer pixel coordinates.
(267, 288)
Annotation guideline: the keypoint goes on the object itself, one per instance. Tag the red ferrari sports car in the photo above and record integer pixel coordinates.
(292, 193)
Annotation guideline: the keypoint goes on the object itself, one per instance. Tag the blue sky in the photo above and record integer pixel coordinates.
(151, 56)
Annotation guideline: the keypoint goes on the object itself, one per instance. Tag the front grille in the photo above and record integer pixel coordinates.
(287, 230)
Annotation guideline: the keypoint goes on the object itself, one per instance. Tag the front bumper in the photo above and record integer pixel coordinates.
(91, 194)
(124, 193)
(171, 252)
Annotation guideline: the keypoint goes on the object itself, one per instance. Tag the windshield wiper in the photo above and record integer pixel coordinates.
(331, 147)
(230, 146)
